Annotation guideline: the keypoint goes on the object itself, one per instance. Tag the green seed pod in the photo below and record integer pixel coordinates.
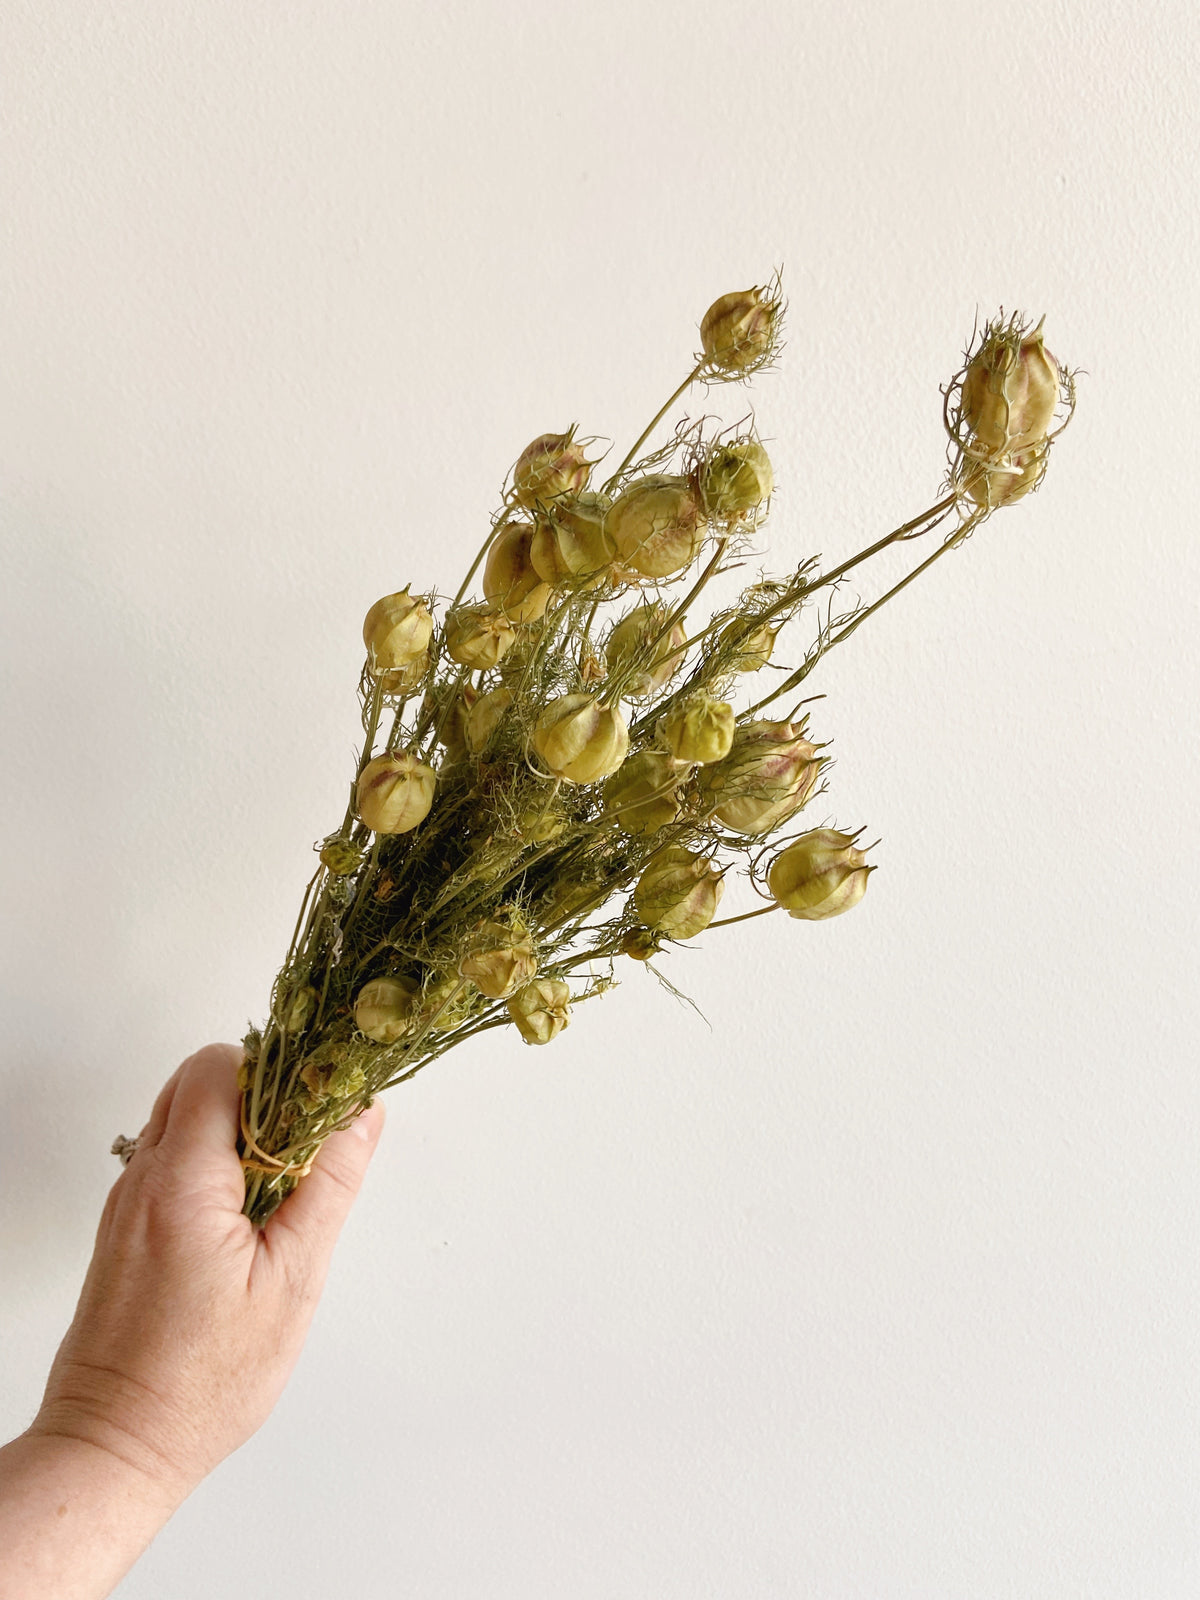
(395, 792)
(484, 717)
(754, 650)
(580, 740)
(642, 796)
(385, 1008)
(656, 525)
(403, 680)
(541, 1010)
(549, 468)
(641, 943)
(299, 1009)
(500, 960)
(820, 875)
(736, 481)
(769, 773)
(1009, 395)
(570, 543)
(478, 637)
(340, 857)
(628, 653)
(699, 729)
(738, 332)
(510, 582)
(396, 632)
(678, 893)
(446, 1002)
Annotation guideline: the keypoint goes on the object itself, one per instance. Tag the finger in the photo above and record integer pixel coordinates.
(153, 1131)
(202, 1116)
(307, 1224)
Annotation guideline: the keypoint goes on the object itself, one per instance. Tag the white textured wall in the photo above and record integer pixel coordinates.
(885, 1288)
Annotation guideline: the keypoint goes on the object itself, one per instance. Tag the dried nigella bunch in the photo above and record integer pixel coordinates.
(564, 767)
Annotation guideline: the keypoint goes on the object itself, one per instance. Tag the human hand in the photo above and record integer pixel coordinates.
(191, 1319)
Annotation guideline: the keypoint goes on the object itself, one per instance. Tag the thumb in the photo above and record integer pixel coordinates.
(307, 1224)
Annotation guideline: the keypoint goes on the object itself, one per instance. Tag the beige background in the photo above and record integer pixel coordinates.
(885, 1288)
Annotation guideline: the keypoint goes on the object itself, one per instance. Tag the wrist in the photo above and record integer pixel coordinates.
(122, 1419)
(96, 1446)
(74, 1516)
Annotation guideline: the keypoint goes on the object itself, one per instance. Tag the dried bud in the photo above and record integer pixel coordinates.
(549, 468)
(571, 544)
(449, 714)
(641, 943)
(446, 1002)
(643, 795)
(340, 857)
(1010, 391)
(569, 900)
(510, 583)
(768, 774)
(300, 1009)
(484, 717)
(657, 526)
(541, 1010)
(738, 331)
(754, 650)
(500, 960)
(678, 894)
(385, 1008)
(479, 638)
(579, 739)
(396, 632)
(331, 1074)
(736, 481)
(820, 875)
(699, 729)
(630, 657)
(395, 792)
(540, 822)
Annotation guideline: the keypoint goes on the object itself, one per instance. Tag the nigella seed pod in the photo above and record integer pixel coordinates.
(549, 468)
(478, 637)
(300, 1009)
(820, 875)
(699, 729)
(395, 792)
(403, 680)
(386, 1008)
(580, 740)
(484, 717)
(641, 943)
(1009, 395)
(446, 1002)
(642, 664)
(642, 796)
(540, 822)
(570, 543)
(510, 582)
(541, 1010)
(396, 632)
(754, 649)
(500, 960)
(736, 481)
(450, 720)
(340, 857)
(657, 525)
(678, 893)
(739, 331)
(769, 773)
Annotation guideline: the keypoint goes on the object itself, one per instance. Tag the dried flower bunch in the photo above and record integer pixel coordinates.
(561, 770)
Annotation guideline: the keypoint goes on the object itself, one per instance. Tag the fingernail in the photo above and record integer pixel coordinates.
(364, 1127)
